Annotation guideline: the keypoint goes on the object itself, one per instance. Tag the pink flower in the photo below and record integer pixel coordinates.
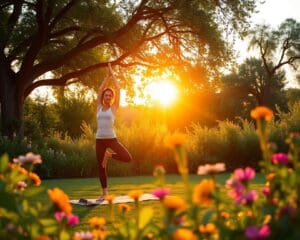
(59, 216)
(244, 175)
(161, 192)
(253, 232)
(280, 158)
(72, 219)
(247, 198)
(266, 191)
(236, 188)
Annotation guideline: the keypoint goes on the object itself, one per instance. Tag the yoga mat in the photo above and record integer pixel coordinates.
(118, 199)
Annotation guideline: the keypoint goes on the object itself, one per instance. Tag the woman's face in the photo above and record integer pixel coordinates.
(107, 97)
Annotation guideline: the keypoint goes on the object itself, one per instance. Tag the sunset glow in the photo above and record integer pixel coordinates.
(163, 92)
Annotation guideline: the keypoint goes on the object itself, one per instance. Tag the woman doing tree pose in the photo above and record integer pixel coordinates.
(108, 103)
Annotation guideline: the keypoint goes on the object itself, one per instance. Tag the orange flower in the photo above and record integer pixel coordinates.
(183, 234)
(99, 234)
(35, 178)
(271, 176)
(224, 215)
(97, 222)
(20, 169)
(135, 194)
(43, 237)
(175, 140)
(124, 207)
(203, 192)
(174, 202)
(109, 198)
(60, 199)
(262, 112)
(209, 228)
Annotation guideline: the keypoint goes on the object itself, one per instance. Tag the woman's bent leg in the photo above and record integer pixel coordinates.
(120, 152)
(100, 151)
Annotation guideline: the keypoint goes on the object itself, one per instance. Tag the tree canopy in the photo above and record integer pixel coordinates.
(49, 42)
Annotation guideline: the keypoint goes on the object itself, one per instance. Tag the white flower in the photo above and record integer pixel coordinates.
(28, 158)
(83, 235)
(211, 168)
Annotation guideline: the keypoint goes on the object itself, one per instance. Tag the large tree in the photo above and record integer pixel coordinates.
(70, 39)
(246, 87)
(277, 48)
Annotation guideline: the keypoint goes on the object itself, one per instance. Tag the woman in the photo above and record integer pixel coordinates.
(108, 103)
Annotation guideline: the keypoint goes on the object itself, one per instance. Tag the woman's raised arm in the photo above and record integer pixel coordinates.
(116, 103)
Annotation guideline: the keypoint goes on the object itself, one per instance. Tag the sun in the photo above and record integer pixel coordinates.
(164, 92)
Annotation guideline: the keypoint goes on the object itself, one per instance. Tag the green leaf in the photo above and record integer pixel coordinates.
(3, 163)
(146, 214)
(207, 216)
(32, 191)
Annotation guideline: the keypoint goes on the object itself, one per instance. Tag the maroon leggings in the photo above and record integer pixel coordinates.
(120, 154)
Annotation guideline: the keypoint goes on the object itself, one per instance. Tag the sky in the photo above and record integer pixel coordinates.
(273, 13)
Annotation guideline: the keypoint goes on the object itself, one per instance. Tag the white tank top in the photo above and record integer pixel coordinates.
(105, 120)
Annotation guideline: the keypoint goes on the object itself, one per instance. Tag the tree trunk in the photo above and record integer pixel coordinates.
(12, 104)
(266, 101)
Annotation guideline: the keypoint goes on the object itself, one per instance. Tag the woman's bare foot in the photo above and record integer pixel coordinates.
(104, 194)
(107, 155)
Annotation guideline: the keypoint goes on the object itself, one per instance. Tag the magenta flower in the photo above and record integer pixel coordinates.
(281, 158)
(244, 175)
(236, 188)
(161, 192)
(266, 191)
(247, 198)
(253, 232)
(72, 219)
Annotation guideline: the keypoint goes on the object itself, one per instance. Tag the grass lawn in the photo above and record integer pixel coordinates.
(90, 188)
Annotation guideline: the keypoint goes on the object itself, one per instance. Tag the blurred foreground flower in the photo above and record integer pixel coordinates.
(280, 158)
(244, 175)
(83, 235)
(161, 192)
(262, 112)
(203, 192)
(253, 232)
(175, 140)
(135, 194)
(28, 158)
(184, 234)
(209, 228)
(211, 168)
(60, 200)
(35, 178)
(97, 222)
(174, 203)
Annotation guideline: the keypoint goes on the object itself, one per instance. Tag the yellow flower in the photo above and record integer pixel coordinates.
(174, 202)
(109, 198)
(203, 192)
(175, 140)
(99, 234)
(209, 228)
(183, 234)
(124, 207)
(135, 194)
(262, 112)
(97, 222)
(60, 199)
(35, 178)
(267, 219)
